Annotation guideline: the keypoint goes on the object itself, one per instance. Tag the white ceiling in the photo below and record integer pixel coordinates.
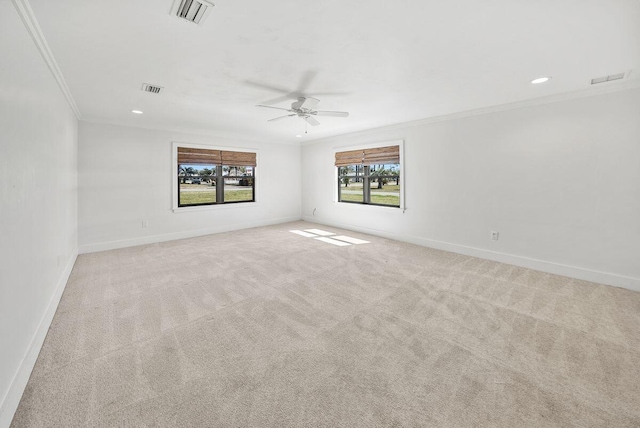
(383, 61)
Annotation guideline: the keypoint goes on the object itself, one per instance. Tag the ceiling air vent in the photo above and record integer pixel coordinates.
(195, 11)
(609, 78)
(154, 89)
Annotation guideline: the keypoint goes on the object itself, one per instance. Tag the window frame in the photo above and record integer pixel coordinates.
(216, 205)
(337, 179)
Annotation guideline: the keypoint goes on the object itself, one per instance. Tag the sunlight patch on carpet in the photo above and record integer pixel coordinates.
(319, 232)
(305, 234)
(350, 240)
(333, 241)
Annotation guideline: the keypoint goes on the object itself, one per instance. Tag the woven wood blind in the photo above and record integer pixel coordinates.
(353, 157)
(238, 158)
(187, 155)
(379, 155)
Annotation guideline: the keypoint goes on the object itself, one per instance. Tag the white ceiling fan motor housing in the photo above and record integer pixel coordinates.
(307, 103)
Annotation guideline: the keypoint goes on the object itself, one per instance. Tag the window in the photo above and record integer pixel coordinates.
(370, 176)
(207, 177)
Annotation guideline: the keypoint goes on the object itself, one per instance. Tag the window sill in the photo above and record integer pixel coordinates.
(370, 207)
(214, 207)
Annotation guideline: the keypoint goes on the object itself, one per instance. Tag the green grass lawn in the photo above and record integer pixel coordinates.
(392, 200)
(238, 195)
(385, 188)
(374, 187)
(188, 198)
(351, 197)
(209, 196)
(385, 200)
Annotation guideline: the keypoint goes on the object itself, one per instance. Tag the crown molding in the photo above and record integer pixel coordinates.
(31, 24)
(185, 133)
(565, 96)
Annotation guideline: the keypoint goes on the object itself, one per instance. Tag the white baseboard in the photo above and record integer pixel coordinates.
(152, 239)
(11, 400)
(526, 262)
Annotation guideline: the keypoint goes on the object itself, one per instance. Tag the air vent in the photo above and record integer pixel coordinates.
(195, 11)
(154, 89)
(609, 78)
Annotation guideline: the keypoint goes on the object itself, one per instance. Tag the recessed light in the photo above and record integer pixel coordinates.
(136, 111)
(540, 80)
(299, 136)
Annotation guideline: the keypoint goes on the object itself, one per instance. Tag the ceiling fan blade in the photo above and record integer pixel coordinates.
(330, 94)
(306, 79)
(311, 121)
(277, 108)
(281, 117)
(281, 99)
(310, 103)
(331, 113)
(267, 87)
(286, 93)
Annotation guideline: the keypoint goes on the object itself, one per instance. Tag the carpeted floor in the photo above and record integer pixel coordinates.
(266, 328)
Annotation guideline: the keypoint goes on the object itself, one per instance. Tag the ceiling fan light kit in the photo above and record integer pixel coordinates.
(305, 108)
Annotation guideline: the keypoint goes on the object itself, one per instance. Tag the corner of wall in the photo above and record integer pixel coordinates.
(11, 400)
(33, 27)
(172, 236)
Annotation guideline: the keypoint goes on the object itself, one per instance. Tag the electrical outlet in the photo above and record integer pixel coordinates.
(145, 223)
(494, 235)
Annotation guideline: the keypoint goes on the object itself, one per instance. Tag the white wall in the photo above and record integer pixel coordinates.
(125, 177)
(38, 203)
(560, 182)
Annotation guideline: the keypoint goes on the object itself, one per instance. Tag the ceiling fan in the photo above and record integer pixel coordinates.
(305, 108)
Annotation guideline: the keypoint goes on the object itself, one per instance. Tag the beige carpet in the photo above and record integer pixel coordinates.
(266, 328)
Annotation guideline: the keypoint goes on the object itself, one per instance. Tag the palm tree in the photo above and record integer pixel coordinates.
(344, 171)
(205, 174)
(187, 171)
(396, 175)
(378, 173)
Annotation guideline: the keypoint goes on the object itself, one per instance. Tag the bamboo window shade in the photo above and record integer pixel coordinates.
(238, 158)
(376, 156)
(187, 155)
